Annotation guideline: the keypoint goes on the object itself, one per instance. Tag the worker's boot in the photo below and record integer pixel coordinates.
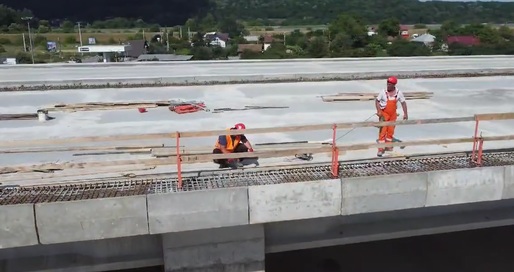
(380, 152)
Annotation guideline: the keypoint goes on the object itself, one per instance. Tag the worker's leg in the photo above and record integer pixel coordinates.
(222, 162)
(382, 134)
(390, 132)
(240, 148)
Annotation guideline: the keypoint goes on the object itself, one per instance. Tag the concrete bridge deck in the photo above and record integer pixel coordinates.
(225, 221)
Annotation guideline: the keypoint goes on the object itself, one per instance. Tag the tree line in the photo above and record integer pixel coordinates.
(255, 12)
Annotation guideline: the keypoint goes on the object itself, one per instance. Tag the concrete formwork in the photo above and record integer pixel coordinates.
(17, 226)
(508, 187)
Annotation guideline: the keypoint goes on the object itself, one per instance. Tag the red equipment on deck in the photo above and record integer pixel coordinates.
(187, 108)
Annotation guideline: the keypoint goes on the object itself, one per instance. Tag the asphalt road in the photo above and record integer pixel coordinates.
(227, 69)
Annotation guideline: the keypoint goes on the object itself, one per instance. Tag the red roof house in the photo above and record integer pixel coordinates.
(464, 40)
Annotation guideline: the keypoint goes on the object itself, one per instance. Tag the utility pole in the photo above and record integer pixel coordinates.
(30, 37)
(80, 34)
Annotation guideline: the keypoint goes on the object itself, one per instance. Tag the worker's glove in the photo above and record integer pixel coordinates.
(405, 117)
(250, 149)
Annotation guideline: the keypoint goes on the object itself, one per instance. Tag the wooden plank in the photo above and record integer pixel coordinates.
(18, 116)
(49, 167)
(371, 96)
(191, 134)
(89, 106)
(494, 116)
(77, 148)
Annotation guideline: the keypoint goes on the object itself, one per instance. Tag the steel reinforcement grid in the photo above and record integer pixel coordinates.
(225, 179)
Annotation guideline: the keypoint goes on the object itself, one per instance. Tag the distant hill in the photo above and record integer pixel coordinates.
(373, 11)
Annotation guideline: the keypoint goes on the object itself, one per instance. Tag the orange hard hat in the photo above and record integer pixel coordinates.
(392, 80)
(239, 126)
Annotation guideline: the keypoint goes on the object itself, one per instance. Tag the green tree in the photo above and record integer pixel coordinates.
(351, 26)
(318, 47)
(389, 27)
(68, 26)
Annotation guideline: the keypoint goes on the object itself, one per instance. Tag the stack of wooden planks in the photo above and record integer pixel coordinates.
(91, 106)
(341, 97)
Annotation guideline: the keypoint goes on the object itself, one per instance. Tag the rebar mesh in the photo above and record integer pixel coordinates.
(226, 179)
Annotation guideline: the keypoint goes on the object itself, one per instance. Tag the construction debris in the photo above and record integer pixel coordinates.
(371, 96)
(248, 108)
(188, 107)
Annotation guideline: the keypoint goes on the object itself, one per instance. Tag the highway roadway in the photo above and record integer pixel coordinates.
(232, 69)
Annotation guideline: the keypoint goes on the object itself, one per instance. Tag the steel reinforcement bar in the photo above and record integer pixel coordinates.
(225, 179)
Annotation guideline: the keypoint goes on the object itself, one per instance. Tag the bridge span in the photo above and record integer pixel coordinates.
(226, 221)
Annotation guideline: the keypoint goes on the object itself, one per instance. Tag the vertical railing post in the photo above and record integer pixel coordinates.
(475, 141)
(179, 161)
(480, 151)
(335, 153)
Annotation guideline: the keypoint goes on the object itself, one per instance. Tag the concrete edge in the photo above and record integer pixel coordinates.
(242, 79)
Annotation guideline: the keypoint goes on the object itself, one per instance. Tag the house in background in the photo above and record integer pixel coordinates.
(426, 39)
(267, 41)
(404, 31)
(463, 40)
(216, 39)
(252, 38)
(137, 48)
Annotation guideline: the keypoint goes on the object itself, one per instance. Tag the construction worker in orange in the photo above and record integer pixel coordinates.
(387, 105)
(227, 144)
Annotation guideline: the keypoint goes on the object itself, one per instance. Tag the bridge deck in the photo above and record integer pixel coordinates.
(226, 178)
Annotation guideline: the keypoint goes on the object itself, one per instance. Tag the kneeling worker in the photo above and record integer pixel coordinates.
(386, 105)
(227, 144)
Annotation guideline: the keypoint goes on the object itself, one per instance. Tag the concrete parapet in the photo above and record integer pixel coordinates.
(508, 187)
(174, 212)
(383, 193)
(17, 226)
(238, 248)
(460, 186)
(293, 201)
(83, 220)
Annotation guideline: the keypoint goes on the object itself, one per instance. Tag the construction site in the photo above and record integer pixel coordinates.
(109, 146)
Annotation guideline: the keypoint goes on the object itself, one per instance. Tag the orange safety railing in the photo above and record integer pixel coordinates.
(183, 157)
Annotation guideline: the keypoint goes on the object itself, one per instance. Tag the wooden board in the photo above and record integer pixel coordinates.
(372, 96)
(89, 106)
(18, 116)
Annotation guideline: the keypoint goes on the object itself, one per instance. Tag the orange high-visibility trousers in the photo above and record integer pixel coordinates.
(389, 114)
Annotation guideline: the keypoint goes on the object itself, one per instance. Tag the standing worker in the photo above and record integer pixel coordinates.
(387, 105)
(227, 144)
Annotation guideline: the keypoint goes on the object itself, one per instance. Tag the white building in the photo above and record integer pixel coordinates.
(106, 50)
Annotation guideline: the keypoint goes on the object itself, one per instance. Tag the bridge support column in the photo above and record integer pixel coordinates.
(229, 249)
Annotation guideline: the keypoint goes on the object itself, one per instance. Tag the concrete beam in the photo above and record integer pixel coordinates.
(292, 201)
(508, 188)
(17, 226)
(383, 193)
(174, 212)
(238, 248)
(465, 186)
(61, 222)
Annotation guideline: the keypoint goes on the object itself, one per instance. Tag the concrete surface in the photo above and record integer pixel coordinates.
(508, 188)
(232, 71)
(452, 98)
(83, 220)
(384, 193)
(465, 185)
(186, 211)
(238, 248)
(17, 226)
(293, 201)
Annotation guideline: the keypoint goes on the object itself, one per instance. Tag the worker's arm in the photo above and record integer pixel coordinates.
(223, 144)
(377, 104)
(404, 106)
(247, 143)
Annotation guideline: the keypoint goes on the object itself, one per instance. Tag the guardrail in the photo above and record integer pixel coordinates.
(182, 157)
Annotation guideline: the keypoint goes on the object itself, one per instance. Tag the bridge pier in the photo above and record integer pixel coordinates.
(227, 249)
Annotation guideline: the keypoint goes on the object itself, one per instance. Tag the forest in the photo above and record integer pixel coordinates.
(258, 12)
